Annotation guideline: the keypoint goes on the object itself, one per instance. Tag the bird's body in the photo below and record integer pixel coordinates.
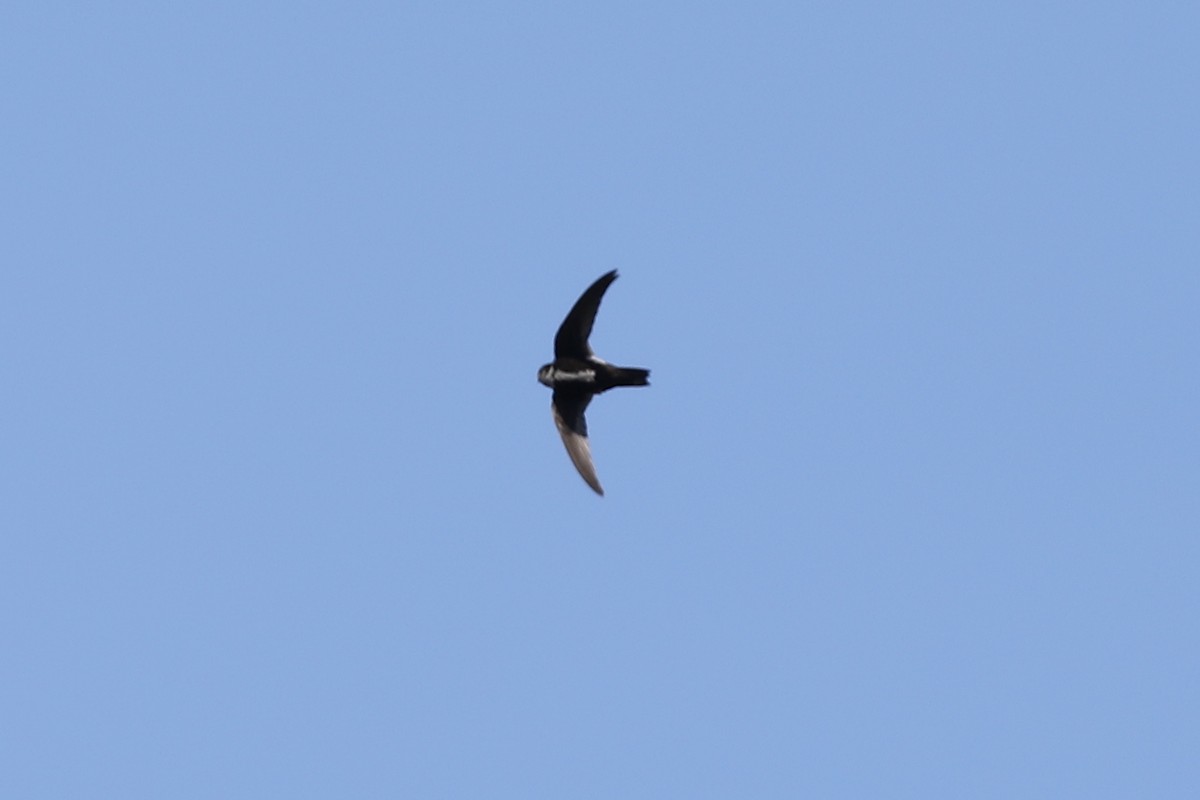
(577, 374)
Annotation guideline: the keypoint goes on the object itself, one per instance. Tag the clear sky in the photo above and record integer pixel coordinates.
(911, 509)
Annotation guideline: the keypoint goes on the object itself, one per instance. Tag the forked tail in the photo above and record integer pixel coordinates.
(632, 376)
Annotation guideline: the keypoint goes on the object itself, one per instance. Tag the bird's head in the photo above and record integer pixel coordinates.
(545, 375)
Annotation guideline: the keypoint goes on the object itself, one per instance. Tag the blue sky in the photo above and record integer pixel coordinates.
(910, 509)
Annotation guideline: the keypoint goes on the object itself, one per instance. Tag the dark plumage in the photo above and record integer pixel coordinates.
(576, 375)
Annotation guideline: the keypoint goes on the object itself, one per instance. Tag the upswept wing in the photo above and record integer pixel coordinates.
(571, 341)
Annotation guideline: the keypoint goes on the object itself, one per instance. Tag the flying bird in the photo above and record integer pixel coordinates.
(576, 375)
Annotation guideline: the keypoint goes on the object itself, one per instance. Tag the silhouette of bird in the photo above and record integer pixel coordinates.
(577, 374)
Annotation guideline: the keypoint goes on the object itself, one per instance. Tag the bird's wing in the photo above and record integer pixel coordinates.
(571, 341)
(568, 408)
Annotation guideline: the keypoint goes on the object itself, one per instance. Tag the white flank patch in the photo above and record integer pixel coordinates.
(585, 375)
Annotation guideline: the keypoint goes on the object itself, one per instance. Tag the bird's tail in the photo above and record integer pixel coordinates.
(632, 376)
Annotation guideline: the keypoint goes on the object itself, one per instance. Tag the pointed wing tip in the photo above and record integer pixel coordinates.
(578, 450)
(571, 339)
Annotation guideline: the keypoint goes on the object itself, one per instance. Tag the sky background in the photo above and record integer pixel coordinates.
(911, 509)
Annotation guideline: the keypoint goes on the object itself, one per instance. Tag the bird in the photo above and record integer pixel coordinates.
(577, 375)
